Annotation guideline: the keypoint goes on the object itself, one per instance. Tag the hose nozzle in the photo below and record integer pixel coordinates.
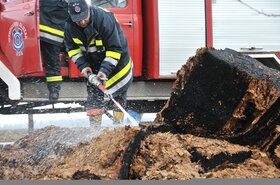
(93, 79)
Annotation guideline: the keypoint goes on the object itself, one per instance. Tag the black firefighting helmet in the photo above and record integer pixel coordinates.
(78, 10)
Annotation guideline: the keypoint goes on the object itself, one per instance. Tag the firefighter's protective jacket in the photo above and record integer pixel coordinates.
(101, 46)
(53, 15)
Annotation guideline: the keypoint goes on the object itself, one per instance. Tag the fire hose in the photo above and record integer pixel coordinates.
(93, 79)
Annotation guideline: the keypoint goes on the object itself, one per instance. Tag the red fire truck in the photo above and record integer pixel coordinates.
(162, 35)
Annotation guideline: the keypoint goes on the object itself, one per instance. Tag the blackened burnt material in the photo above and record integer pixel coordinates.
(222, 93)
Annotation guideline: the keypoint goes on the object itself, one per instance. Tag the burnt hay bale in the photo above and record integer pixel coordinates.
(225, 94)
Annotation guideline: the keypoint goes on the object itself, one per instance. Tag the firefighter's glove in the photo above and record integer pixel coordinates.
(103, 77)
(86, 71)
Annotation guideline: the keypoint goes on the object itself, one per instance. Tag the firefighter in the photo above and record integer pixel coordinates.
(53, 14)
(95, 42)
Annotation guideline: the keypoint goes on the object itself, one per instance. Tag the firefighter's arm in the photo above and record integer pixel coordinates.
(112, 43)
(73, 49)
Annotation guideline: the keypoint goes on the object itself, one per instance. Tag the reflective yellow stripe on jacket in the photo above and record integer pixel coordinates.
(119, 75)
(73, 52)
(121, 79)
(77, 41)
(113, 54)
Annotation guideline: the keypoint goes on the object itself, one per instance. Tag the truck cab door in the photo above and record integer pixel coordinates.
(19, 36)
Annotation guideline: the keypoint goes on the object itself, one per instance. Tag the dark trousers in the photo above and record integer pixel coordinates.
(50, 55)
